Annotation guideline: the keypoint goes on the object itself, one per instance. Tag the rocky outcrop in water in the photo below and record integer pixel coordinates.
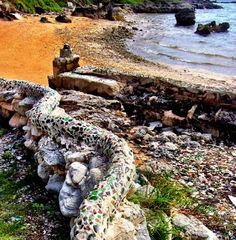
(185, 17)
(172, 7)
(212, 27)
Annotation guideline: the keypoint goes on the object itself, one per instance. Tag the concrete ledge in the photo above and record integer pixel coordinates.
(86, 83)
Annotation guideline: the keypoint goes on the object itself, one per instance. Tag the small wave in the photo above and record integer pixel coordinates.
(191, 62)
(198, 53)
(204, 63)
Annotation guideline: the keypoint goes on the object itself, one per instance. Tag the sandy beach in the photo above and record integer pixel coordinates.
(28, 48)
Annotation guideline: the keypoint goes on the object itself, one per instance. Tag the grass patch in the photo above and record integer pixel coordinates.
(28, 6)
(166, 195)
(133, 2)
(3, 131)
(12, 214)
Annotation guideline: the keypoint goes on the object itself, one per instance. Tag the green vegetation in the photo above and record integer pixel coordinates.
(165, 196)
(12, 214)
(29, 6)
(133, 2)
(3, 131)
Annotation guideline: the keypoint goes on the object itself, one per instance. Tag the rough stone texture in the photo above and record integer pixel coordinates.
(44, 171)
(108, 114)
(185, 17)
(55, 183)
(129, 223)
(69, 200)
(193, 227)
(15, 121)
(109, 193)
(171, 119)
(67, 61)
(77, 172)
(50, 153)
(87, 84)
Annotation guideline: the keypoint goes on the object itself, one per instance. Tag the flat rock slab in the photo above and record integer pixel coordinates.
(89, 84)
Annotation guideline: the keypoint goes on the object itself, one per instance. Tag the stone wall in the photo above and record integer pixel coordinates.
(91, 169)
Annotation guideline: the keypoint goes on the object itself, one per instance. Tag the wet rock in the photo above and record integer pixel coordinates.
(69, 200)
(212, 27)
(185, 17)
(193, 227)
(55, 183)
(63, 19)
(203, 29)
(77, 172)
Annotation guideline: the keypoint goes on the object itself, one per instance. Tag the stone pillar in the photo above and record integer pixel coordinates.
(66, 62)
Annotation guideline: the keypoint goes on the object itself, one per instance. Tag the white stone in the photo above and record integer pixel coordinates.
(193, 227)
(69, 200)
(77, 172)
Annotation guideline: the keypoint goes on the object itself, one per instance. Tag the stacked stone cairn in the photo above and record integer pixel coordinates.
(89, 168)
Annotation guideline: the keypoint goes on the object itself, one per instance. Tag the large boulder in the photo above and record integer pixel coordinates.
(185, 17)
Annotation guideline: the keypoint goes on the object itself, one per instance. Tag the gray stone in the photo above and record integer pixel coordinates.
(28, 101)
(43, 171)
(50, 153)
(171, 146)
(193, 227)
(79, 156)
(142, 232)
(168, 136)
(69, 200)
(77, 172)
(55, 183)
(95, 175)
(96, 161)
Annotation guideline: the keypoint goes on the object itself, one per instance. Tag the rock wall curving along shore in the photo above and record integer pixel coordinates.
(45, 118)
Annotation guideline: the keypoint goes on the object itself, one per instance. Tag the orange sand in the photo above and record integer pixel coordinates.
(28, 48)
